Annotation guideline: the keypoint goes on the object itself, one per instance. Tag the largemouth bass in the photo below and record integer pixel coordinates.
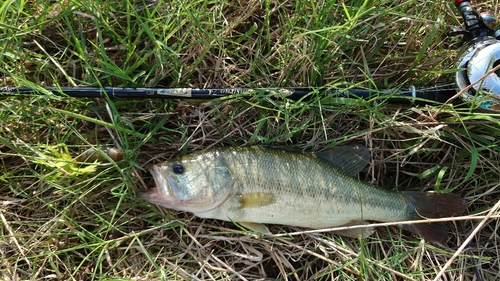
(258, 185)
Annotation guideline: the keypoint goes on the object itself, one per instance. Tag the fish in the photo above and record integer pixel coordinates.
(258, 185)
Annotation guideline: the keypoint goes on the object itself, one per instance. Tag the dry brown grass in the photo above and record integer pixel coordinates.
(92, 227)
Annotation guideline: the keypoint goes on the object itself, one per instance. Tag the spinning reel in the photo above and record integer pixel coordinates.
(478, 79)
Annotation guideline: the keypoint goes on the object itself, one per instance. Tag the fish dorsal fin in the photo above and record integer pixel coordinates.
(350, 159)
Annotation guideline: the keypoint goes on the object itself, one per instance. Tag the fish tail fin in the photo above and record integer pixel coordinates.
(422, 205)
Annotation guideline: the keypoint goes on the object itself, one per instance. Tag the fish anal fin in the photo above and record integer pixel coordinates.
(425, 205)
(255, 199)
(361, 232)
(257, 227)
(350, 159)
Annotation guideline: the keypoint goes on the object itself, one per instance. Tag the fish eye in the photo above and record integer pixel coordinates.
(178, 168)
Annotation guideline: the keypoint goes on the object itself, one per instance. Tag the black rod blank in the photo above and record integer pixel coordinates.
(435, 93)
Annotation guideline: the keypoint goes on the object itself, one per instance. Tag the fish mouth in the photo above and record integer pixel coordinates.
(160, 192)
(157, 176)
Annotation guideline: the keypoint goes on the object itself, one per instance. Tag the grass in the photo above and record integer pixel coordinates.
(63, 220)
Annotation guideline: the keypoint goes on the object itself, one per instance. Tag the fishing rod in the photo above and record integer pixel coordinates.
(482, 55)
(439, 93)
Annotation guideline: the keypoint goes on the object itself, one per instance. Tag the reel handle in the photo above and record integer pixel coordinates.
(478, 25)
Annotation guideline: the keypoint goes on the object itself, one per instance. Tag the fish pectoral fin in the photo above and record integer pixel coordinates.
(356, 232)
(256, 199)
(257, 227)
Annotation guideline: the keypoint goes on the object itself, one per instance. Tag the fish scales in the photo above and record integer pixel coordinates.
(309, 192)
(260, 185)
